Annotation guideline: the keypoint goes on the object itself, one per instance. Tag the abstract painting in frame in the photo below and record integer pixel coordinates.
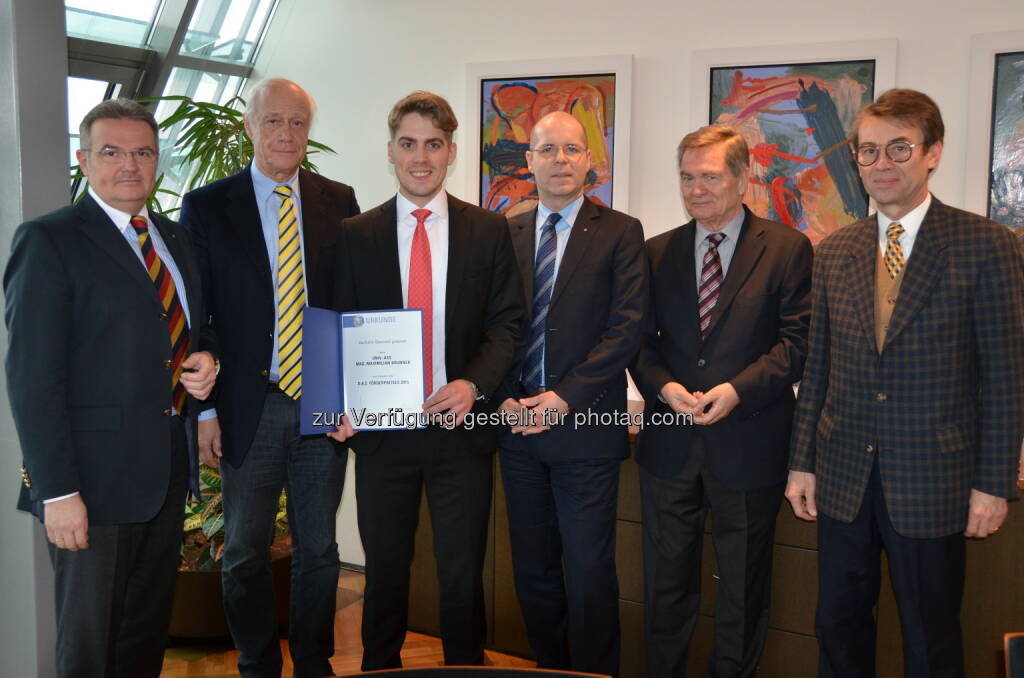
(796, 118)
(508, 98)
(1006, 153)
(509, 109)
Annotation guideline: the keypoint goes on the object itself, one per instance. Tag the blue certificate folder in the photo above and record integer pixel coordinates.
(323, 378)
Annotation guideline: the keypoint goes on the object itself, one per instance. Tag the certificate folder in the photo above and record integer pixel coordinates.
(367, 361)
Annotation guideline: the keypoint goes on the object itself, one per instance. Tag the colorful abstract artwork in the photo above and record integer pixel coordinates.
(795, 118)
(1006, 177)
(509, 109)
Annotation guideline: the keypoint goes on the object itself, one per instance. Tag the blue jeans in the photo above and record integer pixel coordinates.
(312, 471)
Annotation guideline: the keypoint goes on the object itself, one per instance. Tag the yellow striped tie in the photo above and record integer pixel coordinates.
(893, 251)
(291, 295)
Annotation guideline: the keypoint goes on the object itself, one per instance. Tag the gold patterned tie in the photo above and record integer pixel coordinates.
(291, 295)
(893, 251)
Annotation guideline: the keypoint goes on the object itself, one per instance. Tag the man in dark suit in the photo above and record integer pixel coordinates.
(265, 239)
(583, 267)
(725, 341)
(911, 409)
(103, 309)
(425, 249)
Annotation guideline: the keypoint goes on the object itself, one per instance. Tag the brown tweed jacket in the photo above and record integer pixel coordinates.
(942, 406)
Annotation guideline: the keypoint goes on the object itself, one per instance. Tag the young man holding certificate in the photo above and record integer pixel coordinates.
(425, 249)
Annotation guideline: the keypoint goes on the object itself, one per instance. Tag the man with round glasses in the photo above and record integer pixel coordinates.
(911, 408)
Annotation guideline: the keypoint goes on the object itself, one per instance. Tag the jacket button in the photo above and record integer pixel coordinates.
(880, 397)
(869, 448)
(264, 373)
(167, 364)
(701, 362)
(163, 316)
(167, 413)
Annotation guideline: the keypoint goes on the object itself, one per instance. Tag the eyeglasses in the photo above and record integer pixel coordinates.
(897, 151)
(550, 151)
(115, 156)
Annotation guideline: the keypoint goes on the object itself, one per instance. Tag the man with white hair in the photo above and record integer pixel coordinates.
(265, 240)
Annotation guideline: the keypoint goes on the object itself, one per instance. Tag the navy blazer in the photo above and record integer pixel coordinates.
(757, 341)
(87, 363)
(239, 286)
(593, 328)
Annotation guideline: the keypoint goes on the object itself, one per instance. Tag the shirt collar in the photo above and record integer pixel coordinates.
(438, 207)
(122, 220)
(911, 221)
(569, 214)
(731, 229)
(264, 186)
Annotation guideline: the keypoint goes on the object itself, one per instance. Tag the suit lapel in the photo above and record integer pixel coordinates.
(580, 237)
(748, 250)
(244, 220)
(923, 269)
(681, 269)
(459, 237)
(101, 230)
(861, 276)
(315, 220)
(386, 246)
(523, 236)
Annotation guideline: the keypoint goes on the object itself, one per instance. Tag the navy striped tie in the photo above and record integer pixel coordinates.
(543, 283)
(710, 282)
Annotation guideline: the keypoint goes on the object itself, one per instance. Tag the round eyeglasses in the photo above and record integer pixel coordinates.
(897, 151)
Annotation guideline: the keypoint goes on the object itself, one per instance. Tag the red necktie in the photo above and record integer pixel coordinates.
(173, 312)
(421, 292)
(710, 283)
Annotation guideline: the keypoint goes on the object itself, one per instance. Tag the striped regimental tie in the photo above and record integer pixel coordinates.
(543, 283)
(893, 250)
(291, 296)
(710, 283)
(173, 312)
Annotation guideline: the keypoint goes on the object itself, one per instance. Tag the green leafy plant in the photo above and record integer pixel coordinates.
(203, 545)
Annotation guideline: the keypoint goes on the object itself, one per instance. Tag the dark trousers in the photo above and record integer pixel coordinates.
(114, 598)
(389, 484)
(311, 469)
(742, 529)
(927, 578)
(564, 512)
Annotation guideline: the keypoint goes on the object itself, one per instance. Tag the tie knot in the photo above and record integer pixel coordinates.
(894, 231)
(552, 220)
(421, 216)
(715, 239)
(284, 191)
(140, 224)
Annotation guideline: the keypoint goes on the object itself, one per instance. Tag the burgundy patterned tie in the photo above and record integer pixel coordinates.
(710, 283)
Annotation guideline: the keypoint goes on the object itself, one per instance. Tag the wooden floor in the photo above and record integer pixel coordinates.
(218, 659)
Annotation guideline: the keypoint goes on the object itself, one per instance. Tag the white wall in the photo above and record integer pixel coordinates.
(357, 57)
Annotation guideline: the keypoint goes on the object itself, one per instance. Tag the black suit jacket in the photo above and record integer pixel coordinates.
(86, 363)
(483, 304)
(238, 283)
(757, 341)
(593, 327)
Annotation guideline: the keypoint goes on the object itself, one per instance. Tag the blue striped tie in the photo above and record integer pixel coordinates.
(543, 283)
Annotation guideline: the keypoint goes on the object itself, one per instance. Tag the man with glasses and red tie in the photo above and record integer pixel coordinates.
(426, 249)
(103, 315)
(911, 409)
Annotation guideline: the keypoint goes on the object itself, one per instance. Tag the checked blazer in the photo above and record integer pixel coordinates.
(942, 404)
